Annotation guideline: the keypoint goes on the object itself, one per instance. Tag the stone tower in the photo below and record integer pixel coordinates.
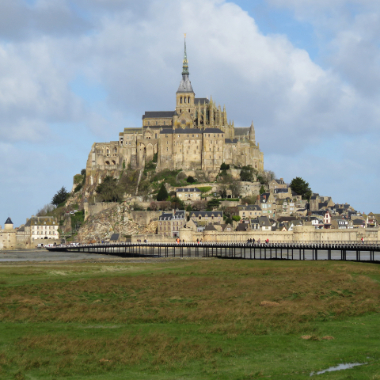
(252, 136)
(8, 224)
(185, 104)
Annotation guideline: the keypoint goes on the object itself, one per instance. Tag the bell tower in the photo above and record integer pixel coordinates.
(185, 106)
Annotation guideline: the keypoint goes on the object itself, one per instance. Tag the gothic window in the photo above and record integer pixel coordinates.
(189, 100)
(184, 99)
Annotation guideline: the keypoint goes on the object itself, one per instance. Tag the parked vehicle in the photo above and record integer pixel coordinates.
(39, 245)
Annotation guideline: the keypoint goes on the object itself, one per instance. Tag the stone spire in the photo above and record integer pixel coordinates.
(185, 85)
(185, 67)
(252, 133)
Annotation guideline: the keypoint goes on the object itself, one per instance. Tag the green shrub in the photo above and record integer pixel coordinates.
(205, 189)
(236, 218)
(190, 179)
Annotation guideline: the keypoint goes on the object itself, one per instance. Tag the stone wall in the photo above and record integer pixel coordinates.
(301, 234)
(93, 209)
(143, 218)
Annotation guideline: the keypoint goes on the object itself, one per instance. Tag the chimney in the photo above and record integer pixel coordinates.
(281, 179)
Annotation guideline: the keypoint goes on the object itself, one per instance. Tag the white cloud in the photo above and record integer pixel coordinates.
(133, 50)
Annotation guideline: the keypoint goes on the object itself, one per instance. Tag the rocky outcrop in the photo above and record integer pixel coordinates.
(115, 220)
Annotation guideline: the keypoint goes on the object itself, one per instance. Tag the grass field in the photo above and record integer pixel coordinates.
(189, 319)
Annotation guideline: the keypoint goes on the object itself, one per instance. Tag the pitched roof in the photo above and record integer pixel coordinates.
(157, 114)
(242, 227)
(229, 141)
(212, 130)
(206, 213)
(249, 207)
(201, 100)
(210, 227)
(115, 237)
(8, 221)
(264, 221)
(181, 131)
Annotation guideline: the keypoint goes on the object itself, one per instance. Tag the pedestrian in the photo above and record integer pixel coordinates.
(362, 240)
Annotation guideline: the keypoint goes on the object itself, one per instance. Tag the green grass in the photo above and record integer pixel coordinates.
(189, 319)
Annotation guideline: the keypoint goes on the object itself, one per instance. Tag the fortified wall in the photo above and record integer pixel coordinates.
(300, 234)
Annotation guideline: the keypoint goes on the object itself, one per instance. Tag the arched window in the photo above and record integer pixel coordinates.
(184, 99)
(180, 99)
(189, 100)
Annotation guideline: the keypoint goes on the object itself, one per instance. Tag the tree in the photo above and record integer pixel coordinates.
(162, 194)
(301, 187)
(224, 166)
(177, 203)
(109, 191)
(262, 190)
(236, 218)
(235, 189)
(213, 203)
(190, 179)
(269, 174)
(60, 197)
(199, 205)
(247, 173)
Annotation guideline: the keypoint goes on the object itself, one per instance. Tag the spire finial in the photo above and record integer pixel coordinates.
(185, 69)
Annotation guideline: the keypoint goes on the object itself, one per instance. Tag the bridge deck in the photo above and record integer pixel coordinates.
(344, 252)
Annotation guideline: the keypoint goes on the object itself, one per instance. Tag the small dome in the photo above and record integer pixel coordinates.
(8, 221)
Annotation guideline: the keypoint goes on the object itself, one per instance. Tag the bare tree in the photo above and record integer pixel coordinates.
(45, 210)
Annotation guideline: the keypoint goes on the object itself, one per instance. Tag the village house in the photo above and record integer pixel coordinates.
(169, 223)
(210, 217)
(249, 211)
(187, 194)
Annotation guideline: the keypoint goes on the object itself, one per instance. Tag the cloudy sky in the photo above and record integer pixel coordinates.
(73, 72)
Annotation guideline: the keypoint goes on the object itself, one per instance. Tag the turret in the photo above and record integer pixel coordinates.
(8, 224)
(252, 136)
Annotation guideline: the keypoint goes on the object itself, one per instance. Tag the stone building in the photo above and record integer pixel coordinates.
(196, 135)
(169, 223)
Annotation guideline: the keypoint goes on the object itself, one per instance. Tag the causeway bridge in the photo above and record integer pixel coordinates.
(368, 252)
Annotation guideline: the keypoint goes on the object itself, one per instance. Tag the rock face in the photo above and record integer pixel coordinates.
(115, 220)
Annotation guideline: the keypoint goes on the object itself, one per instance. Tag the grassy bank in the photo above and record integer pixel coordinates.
(189, 319)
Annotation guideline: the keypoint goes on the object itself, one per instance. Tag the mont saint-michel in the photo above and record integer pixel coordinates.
(196, 135)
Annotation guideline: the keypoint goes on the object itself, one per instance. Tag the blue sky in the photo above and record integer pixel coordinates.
(77, 72)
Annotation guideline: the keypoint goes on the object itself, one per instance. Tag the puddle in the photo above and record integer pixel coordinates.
(339, 367)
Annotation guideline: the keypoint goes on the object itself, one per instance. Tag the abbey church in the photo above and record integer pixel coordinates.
(194, 136)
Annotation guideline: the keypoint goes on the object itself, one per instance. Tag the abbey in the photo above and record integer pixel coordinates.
(194, 136)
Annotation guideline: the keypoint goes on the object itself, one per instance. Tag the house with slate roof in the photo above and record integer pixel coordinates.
(209, 217)
(188, 194)
(169, 223)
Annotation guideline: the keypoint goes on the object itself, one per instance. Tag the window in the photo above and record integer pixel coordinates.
(189, 101)
(180, 100)
(156, 122)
